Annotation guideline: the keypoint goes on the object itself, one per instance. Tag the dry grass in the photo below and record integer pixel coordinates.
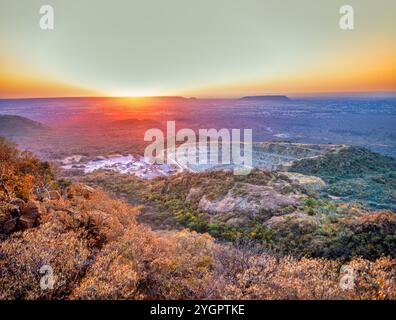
(97, 250)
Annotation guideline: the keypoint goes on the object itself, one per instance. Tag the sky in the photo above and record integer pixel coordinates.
(205, 48)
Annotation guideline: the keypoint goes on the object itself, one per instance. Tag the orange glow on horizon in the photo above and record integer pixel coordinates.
(361, 70)
(18, 80)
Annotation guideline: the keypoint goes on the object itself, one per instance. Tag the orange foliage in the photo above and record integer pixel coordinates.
(22, 175)
(97, 250)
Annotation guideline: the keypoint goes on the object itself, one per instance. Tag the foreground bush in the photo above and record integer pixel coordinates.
(22, 175)
(266, 277)
(98, 251)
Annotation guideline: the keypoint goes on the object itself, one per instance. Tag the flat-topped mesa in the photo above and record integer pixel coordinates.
(278, 98)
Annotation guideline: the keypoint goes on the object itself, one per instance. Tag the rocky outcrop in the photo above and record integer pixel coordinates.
(20, 215)
(302, 219)
(249, 199)
(72, 159)
(280, 156)
(310, 184)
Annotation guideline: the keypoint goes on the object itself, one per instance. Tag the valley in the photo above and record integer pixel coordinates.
(308, 206)
(260, 236)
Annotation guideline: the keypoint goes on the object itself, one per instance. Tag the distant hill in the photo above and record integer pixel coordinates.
(11, 125)
(265, 98)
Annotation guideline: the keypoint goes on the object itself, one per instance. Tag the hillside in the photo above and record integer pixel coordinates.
(354, 174)
(11, 125)
(277, 211)
(96, 249)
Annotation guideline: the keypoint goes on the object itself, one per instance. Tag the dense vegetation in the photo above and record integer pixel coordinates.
(355, 174)
(22, 175)
(97, 250)
(314, 227)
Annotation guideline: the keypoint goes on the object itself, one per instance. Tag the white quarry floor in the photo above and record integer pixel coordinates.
(138, 166)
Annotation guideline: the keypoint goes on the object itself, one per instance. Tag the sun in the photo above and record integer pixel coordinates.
(134, 93)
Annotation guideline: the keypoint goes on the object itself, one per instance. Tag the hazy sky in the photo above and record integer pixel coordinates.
(201, 48)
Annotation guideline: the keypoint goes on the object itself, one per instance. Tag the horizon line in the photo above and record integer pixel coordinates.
(297, 95)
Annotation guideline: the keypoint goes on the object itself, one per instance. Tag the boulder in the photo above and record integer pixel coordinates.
(13, 210)
(26, 223)
(10, 226)
(236, 221)
(72, 159)
(194, 195)
(17, 202)
(310, 184)
(30, 212)
(79, 190)
(54, 195)
(9, 214)
(32, 209)
(4, 216)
